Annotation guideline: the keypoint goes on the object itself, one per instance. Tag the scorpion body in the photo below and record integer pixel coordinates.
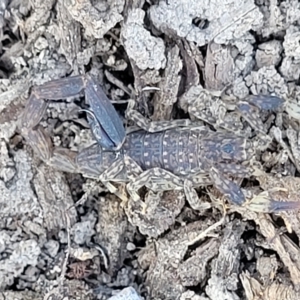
(161, 155)
(179, 151)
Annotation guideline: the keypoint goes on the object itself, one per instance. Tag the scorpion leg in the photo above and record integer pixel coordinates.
(158, 180)
(192, 196)
(227, 187)
(133, 170)
(153, 126)
(109, 175)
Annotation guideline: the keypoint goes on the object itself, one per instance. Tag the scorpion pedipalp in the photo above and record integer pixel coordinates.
(112, 133)
(105, 117)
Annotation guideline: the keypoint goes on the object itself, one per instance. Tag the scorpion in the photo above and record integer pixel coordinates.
(161, 155)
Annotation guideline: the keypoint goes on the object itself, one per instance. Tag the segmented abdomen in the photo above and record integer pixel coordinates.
(181, 151)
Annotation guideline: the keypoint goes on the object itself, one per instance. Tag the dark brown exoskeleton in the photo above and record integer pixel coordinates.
(163, 155)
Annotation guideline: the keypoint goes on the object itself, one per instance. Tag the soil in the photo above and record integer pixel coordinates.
(65, 236)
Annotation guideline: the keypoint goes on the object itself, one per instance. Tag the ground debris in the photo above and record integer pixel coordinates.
(267, 81)
(113, 232)
(276, 241)
(157, 213)
(219, 67)
(55, 198)
(291, 62)
(178, 17)
(223, 283)
(7, 170)
(22, 254)
(166, 97)
(268, 54)
(18, 199)
(40, 14)
(72, 289)
(99, 19)
(171, 266)
(145, 50)
(255, 291)
(67, 32)
(23, 295)
(63, 236)
(279, 17)
(126, 294)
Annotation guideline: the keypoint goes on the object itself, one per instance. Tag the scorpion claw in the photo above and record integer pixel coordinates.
(266, 102)
(104, 120)
(250, 113)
